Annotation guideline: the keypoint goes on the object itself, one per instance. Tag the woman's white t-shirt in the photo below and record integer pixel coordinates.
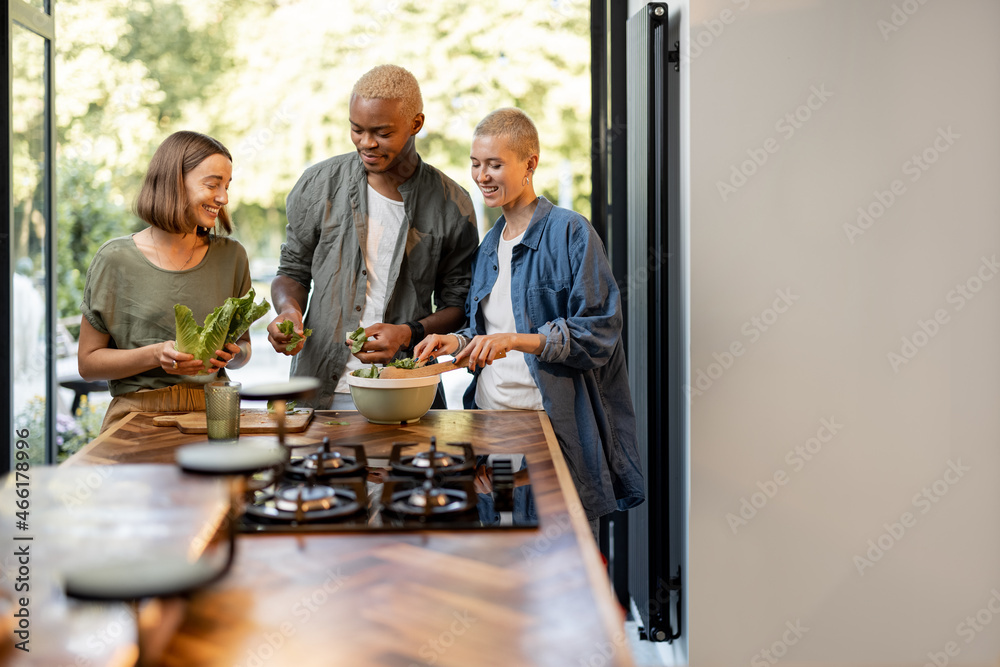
(506, 383)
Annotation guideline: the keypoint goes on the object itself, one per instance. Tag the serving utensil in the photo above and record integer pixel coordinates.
(393, 373)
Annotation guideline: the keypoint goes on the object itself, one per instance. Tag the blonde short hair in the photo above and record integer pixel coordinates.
(391, 82)
(512, 125)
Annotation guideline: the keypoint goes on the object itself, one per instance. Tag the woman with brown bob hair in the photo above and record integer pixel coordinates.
(133, 283)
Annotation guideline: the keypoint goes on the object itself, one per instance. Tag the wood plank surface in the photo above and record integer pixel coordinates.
(92, 516)
(446, 598)
(252, 421)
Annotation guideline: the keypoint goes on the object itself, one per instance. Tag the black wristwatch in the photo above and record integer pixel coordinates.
(416, 333)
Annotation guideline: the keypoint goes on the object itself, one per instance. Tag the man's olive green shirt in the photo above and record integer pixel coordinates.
(324, 252)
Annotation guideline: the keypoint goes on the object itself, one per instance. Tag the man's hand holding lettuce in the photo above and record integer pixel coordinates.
(223, 326)
(287, 327)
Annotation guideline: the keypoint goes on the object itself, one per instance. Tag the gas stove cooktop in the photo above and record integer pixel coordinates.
(418, 487)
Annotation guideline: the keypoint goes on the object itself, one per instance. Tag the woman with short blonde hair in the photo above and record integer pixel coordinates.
(545, 321)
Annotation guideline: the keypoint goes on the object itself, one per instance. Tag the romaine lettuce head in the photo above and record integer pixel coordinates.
(224, 325)
(246, 313)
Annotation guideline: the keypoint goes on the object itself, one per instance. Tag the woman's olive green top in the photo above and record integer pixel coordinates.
(132, 300)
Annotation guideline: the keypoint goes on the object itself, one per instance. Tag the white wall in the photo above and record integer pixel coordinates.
(831, 306)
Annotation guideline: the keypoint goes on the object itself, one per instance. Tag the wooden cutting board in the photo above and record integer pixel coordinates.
(252, 420)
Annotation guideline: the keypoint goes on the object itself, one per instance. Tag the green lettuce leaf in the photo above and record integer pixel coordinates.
(358, 338)
(370, 373)
(223, 325)
(245, 314)
(408, 363)
(287, 327)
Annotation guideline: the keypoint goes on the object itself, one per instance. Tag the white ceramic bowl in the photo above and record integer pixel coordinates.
(393, 401)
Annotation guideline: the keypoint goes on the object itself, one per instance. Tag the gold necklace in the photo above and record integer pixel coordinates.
(160, 260)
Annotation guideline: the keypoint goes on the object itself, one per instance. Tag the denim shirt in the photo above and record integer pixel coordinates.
(562, 287)
(324, 248)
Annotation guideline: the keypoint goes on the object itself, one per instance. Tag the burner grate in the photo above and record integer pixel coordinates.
(338, 488)
(329, 461)
(304, 503)
(432, 498)
(459, 457)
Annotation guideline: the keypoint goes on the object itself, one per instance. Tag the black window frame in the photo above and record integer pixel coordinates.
(41, 23)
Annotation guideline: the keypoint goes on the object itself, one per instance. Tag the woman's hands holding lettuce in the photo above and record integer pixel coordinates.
(214, 343)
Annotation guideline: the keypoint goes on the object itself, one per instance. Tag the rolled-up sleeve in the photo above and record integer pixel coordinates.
(302, 231)
(97, 298)
(585, 337)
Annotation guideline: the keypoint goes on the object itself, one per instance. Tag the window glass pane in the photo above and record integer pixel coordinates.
(28, 231)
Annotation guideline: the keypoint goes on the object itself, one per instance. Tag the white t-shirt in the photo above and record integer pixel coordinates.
(506, 383)
(386, 224)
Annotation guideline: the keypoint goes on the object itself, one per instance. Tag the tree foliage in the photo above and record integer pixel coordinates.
(89, 213)
(271, 79)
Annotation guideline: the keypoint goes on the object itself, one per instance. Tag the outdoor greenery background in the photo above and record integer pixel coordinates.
(271, 79)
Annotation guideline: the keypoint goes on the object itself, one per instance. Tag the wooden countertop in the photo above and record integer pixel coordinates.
(462, 599)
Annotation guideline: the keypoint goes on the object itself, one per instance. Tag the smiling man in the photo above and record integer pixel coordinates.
(382, 239)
